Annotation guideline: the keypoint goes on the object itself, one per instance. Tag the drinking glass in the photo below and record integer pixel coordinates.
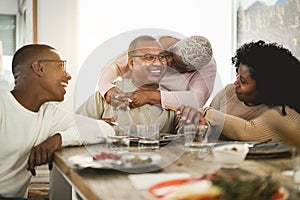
(148, 136)
(196, 140)
(120, 141)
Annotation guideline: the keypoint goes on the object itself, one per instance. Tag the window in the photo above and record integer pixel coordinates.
(8, 33)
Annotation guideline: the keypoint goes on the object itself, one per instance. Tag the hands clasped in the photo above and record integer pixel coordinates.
(127, 100)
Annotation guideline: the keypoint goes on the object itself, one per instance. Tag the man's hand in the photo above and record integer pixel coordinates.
(43, 153)
(118, 99)
(110, 120)
(111, 93)
(142, 97)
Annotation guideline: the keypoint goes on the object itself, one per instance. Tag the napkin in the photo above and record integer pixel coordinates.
(144, 181)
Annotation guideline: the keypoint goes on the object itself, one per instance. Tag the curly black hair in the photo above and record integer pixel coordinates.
(276, 72)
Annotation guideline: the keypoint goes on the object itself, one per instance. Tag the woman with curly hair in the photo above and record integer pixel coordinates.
(267, 74)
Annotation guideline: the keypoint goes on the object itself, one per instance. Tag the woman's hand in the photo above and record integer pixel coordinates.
(190, 115)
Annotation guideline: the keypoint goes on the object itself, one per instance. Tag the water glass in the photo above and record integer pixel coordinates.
(196, 140)
(120, 141)
(148, 136)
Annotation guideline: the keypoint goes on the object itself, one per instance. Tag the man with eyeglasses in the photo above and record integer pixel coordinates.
(189, 79)
(31, 126)
(147, 63)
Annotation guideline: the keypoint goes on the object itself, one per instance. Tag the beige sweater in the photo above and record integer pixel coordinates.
(96, 107)
(256, 123)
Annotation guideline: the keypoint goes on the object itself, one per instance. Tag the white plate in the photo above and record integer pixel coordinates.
(125, 163)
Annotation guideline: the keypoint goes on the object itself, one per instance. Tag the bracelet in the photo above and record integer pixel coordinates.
(204, 110)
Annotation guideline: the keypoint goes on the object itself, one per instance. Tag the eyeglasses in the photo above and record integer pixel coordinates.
(149, 58)
(62, 62)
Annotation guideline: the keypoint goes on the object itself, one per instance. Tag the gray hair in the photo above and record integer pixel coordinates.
(194, 51)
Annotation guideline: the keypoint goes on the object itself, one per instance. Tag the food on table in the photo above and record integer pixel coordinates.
(220, 186)
(237, 188)
(201, 189)
(104, 155)
(138, 160)
(123, 159)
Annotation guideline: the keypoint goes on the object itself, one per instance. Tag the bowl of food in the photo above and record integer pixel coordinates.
(230, 155)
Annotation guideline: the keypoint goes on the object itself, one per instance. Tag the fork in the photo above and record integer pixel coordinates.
(259, 143)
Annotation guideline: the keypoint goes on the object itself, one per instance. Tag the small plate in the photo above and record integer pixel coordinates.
(121, 161)
(268, 150)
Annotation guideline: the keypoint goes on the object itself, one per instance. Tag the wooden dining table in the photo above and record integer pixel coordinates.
(70, 182)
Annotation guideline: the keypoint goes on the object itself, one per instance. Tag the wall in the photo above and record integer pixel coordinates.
(8, 6)
(102, 20)
(57, 26)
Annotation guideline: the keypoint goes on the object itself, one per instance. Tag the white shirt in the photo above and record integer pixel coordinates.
(21, 129)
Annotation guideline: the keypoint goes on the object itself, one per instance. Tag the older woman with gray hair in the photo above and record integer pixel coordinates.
(191, 53)
(189, 79)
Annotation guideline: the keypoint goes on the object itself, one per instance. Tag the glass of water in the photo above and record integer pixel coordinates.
(148, 136)
(196, 140)
(120, 141)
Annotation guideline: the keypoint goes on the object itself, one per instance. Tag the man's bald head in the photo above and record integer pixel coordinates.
(143, 42)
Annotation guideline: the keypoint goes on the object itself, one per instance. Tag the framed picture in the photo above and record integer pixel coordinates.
(269, 20)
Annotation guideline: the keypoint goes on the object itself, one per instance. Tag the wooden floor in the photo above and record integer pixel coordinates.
(39, 187)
